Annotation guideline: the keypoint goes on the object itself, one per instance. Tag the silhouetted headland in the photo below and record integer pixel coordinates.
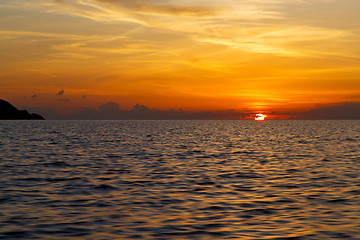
(9, 112)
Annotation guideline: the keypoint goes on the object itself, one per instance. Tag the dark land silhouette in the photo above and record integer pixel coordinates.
(9, 112)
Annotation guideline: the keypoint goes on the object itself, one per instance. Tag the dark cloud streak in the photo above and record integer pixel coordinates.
(340, 111)
(112, 111)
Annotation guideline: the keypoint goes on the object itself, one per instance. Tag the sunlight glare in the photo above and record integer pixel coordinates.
(259, 117)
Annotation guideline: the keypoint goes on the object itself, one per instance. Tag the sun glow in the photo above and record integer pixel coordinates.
(254, 56)
(259, 117)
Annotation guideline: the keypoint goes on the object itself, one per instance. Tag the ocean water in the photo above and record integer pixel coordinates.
(179, 180)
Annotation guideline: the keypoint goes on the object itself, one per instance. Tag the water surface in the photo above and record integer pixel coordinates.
(179, 180)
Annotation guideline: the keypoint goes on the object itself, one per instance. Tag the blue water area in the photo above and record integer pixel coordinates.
(180, 180)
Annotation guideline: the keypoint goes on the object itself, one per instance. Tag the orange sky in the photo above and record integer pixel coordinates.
(253, 55)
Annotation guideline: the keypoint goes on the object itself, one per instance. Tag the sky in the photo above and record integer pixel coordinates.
(279, 57)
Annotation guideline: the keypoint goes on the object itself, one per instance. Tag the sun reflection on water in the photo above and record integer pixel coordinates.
(180, 180)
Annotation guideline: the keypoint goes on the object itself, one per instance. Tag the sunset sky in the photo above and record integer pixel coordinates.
(213, 55)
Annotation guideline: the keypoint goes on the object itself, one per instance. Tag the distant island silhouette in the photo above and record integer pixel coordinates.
(9, 112)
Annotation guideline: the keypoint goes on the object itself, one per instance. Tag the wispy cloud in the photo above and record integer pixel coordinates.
(112, 110)
(154, 12)
(77, 46)
(274, 40)
(240, 25)
(161, 7)
(243, 25)
(180, 48)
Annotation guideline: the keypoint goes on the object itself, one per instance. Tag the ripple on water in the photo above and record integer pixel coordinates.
(179, 180)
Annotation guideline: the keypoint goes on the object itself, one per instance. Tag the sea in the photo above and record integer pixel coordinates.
(205, 179)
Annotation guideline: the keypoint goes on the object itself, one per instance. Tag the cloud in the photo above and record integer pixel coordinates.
(112, 111)
(255, 26)
(240, 25)
(279, 40)
(109, 110)
(60, 93)
(171, 14)
(140, 11)
(55, 46)
(347, 110)
(161, 7)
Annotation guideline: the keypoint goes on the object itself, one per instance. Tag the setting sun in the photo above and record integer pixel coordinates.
(259, 117)
(180, 119)
(206, 59)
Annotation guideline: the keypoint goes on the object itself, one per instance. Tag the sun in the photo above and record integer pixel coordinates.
(259, 117)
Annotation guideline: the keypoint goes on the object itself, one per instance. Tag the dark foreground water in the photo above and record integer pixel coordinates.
(179, 180)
